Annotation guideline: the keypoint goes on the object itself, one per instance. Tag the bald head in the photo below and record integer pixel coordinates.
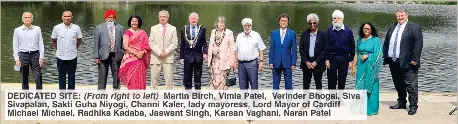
(67, 13)
(27, 18)
(67, 17)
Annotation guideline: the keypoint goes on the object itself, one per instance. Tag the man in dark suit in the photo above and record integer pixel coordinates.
(402, 50)
(108, 50)
(282, 53)
(193, 51)
(312, 48)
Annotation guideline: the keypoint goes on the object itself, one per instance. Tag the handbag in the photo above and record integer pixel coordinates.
(231, 79)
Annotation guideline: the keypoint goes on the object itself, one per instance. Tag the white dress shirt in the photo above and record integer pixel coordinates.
(66, 40)
(398, 42)
(27, 40)
(248, 46)
(282, 36)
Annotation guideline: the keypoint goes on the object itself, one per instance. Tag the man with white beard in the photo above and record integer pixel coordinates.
(341, 51)
(108, 50)
(249, 54)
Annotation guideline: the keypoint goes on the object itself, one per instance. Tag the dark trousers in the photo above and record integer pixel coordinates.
(103, 71)
(307, 76)
(248, 74)
(277, 77)
(405, 81)
(338, 71)
(65, 67)
(189, 69)
(30, 59)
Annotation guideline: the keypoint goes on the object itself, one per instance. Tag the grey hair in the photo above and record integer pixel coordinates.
(194, 13)
(402, 10)
(164, 11)
(313, 16)
(23, 14)
(220, 18)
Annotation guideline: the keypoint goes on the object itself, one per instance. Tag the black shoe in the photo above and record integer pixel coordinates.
(412, 111)
(398, 106)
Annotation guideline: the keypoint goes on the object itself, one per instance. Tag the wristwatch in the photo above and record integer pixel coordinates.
(261, 60)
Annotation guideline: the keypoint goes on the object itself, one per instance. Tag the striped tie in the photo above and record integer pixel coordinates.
(112, 40)
(395, 44)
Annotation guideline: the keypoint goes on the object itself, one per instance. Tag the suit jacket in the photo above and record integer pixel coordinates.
(101, 44)
(227, 49)
(157, 44)
(411, 45)
(320, 50)
(194, 54)
(285, 53)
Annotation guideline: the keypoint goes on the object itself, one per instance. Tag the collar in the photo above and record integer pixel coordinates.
(404, 23)
(23, 27)
(334, 28)
(69, 26)
(166, 24)
(193, 26)
(311, 33)
(249, 34)
(286, 29)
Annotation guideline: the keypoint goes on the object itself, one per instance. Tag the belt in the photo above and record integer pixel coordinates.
(30, 52)
(248, 60)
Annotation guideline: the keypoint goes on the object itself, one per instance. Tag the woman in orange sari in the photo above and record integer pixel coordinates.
(134, 65)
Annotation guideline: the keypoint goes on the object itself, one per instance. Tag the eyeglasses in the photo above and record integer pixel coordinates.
(310, 23)
(367, 28)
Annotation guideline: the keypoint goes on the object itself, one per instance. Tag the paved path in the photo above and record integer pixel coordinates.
(433, 109)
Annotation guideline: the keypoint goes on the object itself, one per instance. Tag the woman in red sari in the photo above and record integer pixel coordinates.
(135, 61)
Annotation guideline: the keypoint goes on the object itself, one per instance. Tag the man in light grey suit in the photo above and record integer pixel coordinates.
(163, 41)
(108, 50)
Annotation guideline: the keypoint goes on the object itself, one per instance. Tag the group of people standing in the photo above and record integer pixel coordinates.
(129, 53)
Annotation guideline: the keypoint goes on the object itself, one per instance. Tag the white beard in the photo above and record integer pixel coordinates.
(337, 25)
(247, 31)
(110, 24)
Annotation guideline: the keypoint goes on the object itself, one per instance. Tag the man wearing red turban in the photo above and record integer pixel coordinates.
(108, 50)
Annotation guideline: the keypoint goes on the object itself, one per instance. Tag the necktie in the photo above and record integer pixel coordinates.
(111, 39)
(193, 32)
(395, 44)
(282, 37)
(163, 36)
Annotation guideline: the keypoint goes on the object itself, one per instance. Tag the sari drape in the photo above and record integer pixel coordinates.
(367, 71)
(133, 70)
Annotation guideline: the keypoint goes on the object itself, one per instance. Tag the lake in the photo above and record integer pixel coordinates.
(438, 59)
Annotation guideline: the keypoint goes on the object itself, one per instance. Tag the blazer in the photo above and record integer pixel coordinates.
(157, 44)
(101, 44)
(320, 50)
(194, 54)
(227, 49)
(411, 45)
(285, 54)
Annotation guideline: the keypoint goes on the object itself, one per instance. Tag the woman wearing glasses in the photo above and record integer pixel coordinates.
(312, 48)
(366, 65)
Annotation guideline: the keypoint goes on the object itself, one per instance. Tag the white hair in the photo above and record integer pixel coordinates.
(23, 14)
(220, 19)
(338, 13)
(313, 16)
(195, 14)
(247, 21)
(164, 11)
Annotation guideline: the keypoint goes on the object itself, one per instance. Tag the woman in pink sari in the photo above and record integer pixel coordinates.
(134, 65)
